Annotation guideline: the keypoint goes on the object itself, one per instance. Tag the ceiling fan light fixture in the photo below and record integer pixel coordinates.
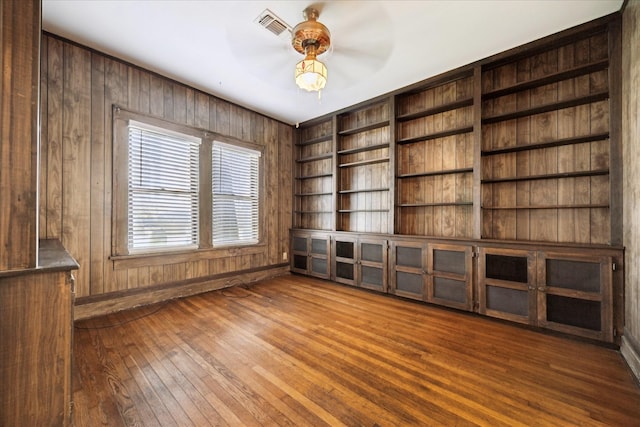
(311, 38)
(311, 75)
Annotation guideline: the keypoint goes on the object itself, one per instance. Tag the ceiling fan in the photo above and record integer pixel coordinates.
(351, 42)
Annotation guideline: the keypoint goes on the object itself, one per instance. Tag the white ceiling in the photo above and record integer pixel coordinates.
(377, 46)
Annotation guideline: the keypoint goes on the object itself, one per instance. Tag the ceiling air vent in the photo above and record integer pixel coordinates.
(271, 22)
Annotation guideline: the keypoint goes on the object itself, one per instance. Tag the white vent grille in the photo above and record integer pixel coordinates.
(271, 22)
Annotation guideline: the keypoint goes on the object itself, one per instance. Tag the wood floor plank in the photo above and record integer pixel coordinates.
(297, 351)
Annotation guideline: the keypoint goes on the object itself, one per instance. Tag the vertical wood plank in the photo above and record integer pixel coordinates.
(54, 138)
(20, 41)
(76, 162)
(43, 150)
(116, 93)
(98, 222)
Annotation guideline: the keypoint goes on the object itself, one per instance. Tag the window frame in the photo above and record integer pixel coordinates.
(260, 153)
(119, 197)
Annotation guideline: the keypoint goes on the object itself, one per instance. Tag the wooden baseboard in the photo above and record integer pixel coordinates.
(631, 353)
(87, 308)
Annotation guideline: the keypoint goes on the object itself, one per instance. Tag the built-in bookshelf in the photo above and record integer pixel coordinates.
(435, 158)
(364, 147)
(546, 144)
(314, 177)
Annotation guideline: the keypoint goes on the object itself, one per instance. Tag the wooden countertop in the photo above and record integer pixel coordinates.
(52, 256)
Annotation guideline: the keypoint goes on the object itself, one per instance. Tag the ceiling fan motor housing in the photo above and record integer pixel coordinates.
(310, 37)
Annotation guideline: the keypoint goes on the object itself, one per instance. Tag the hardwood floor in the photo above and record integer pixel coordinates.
(303, 352)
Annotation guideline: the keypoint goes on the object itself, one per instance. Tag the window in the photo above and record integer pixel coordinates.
(177, 188)
(235, 201)
(162, 189)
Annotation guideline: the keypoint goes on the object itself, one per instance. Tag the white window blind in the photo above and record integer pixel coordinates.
(235, 186)
(162, 189)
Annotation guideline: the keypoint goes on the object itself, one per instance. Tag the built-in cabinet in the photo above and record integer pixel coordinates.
(360, 261)
(496, 185)
(36, 332)
(450, 275)
(409, 269)
(310, 254)
(439, 273)
(561, 290)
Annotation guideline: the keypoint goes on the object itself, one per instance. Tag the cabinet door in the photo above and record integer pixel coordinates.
(408, 269)
(372, 264)
(344, 256)
(574, 294)
(506, 284)
(319, 256)
(450, 276)
(300, 253)
(310, 254)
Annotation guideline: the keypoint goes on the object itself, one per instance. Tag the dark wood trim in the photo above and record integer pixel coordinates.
(164, 286)
(477, 152)
(615, 117)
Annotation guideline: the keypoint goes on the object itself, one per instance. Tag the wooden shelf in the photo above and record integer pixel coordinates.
(443, 134)
(435, 110)
(548, 176)
(363, 149)
(315, 158)
(364, 162)
(313, 212)
(551, 78)
(420, 205)
(312, 194)
(364, 128)
(581, 206)
(549, 144)
(548, 107)
(315, 140)
(366, 190)
(361, 210)
(435, 173)
(320, 175)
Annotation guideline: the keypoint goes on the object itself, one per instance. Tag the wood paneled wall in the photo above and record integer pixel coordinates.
(79, 87)
(631, 171)
(19, 38)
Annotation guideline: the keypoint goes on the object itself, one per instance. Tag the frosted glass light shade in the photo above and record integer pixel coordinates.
(311, 75)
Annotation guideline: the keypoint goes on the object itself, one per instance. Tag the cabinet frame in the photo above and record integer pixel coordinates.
(530, 287)
(604, 296)
(467, 277)
(309, 253)
(395, 268)
(358, 263)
